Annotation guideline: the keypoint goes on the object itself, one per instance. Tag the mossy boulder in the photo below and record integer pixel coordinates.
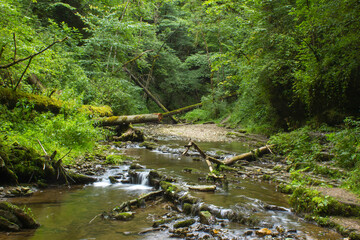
(205, 217)
(187, 208)
(12, 218)
(136, 166)
(184, 223)
(124, 216)
(149, 145)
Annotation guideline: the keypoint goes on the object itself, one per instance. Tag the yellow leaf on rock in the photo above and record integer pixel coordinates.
(263, 232)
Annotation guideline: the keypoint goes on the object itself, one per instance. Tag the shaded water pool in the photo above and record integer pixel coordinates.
(73, 213)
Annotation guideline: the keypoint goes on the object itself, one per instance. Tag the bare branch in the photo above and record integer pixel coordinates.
(137, 57)
(22, 75)
(32, 55)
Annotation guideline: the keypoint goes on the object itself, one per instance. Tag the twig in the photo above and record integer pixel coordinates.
(32, 55)
(46, 155)
(22, 75)
(65, 155)
(268, 147)
(123, 13)
(135, 58)
(94, 218)
(42, 147)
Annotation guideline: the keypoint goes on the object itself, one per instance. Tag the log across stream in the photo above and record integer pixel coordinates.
(70, 213)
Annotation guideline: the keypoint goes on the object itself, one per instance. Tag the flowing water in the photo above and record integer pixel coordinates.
(73, 213)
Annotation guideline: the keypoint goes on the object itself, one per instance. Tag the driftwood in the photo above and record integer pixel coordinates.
(126, 206)
(209, 160)
(57, 165)
(131, 119)
(250, 155)
(246, 156)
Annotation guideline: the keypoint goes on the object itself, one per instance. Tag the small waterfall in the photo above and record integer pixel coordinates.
(141, 178)
(104, 181)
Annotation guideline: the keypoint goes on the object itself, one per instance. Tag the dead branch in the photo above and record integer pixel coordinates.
(137, 57)
(32, 55)
(249, 156)
(209, 160)
(22, 75)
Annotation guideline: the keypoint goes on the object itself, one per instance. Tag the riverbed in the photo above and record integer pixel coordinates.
(74, 212)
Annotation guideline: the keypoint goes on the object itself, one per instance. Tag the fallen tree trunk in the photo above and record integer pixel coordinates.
(41, 103)
(246, 156)
(191, 107)
(182, 110)
(250, 155)
(131, 119)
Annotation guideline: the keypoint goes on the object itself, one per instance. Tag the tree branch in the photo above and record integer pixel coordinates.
(32, 55)
(22, 75)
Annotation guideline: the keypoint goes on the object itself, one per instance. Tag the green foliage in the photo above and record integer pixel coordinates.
(311, 201)
(346, 144)
(65, 131)
(298, 145)
(114, 159)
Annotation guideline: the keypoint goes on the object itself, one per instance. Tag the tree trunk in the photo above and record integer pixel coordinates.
(182, 110)
(248, 156)
(41, 103)
(142, 118)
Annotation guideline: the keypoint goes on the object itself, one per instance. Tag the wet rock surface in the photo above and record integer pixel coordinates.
(12, 218)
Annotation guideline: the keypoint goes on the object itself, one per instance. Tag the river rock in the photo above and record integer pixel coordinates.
(205, 217)
(184, 223)
(149, 145)
(113, 179)
(263, 232)
(124, 216)
(136, 166)
(203, 188)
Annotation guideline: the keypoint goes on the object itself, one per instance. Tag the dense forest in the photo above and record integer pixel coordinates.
(269, 66)
(288, 62)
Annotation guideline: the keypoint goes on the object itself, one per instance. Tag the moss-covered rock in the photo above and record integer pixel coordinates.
(136, 166)
(187, 208)
(124, 216)
(149, 145)
(6, 225)
(163, 221)
(184, 223)
(205, 217)
(12, 218)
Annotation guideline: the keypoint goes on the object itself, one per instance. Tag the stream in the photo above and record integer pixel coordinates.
(73, 212)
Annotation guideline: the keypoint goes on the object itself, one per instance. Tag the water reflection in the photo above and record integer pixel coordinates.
(73, 213)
